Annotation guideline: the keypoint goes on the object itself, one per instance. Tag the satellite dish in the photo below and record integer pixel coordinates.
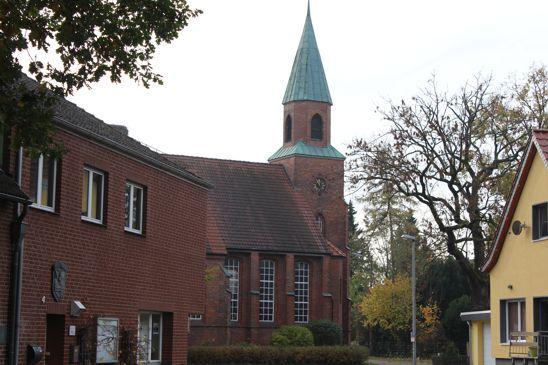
(517, 226)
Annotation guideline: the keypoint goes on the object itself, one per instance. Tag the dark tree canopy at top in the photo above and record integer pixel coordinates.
(72, 44)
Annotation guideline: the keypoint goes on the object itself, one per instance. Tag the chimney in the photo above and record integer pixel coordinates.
(120, 128)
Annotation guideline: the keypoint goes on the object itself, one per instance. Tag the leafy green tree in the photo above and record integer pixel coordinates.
(455, 156)
(73, 44)
(363, 270)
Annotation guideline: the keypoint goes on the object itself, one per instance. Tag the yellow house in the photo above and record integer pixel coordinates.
(518, 267)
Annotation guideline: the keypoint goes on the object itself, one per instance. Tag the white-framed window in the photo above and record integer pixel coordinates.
(195, 317)
(320, 222)
(302, 280)
(107, 340)
(93, 192)
(266, 292)
(513, 319)
(43, 181)
(150, 337)
(540, 221)
(232, 265)
(133, 220)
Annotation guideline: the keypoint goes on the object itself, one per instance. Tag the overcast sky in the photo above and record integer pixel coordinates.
(226, 75)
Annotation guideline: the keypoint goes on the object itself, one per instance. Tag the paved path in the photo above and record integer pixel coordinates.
(393, 361)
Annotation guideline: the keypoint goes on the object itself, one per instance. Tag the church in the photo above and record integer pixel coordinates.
(276, 250)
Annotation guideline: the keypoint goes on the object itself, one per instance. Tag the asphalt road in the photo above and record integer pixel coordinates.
(393, 361)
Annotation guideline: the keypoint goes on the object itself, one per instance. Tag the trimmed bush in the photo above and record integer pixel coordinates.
(275, 355)
(292, 336)
(325, 333)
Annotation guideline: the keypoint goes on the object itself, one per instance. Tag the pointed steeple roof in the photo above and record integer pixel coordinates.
(307, 80)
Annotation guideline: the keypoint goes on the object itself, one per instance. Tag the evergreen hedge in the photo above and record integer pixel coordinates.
(275, 355)
(326, 333)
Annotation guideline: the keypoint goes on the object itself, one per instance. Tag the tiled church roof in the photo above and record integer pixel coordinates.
(253, 206)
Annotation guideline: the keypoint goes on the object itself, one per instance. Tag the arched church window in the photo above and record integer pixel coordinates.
(288, 129)
(320, 221)
(316, 130)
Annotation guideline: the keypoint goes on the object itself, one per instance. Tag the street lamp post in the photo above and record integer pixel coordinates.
(413, 239)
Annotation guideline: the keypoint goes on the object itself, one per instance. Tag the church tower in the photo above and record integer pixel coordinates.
(314, 166)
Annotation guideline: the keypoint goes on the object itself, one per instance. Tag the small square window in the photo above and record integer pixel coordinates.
(133, 220)
(93, 191)
(540, 221)
(43, 181)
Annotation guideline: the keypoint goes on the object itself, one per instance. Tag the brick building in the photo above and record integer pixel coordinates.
(277, 232)
(113, 249)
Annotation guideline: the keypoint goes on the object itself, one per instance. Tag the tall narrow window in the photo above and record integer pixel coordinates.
(540, 221)
(266, 293)
(43, 176)
(302, 274)
(316, 127)
(320, 222)
(233, 268)
(512, 320)
(134, 208)
(150, 337)
(93, 195)
(288, 130)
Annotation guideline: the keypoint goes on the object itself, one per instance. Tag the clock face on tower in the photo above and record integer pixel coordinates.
(320, 185)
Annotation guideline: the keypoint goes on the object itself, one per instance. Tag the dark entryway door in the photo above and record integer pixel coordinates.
(55, 339)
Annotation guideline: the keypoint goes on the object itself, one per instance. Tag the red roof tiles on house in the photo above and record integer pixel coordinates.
(253, 206)
(540, 138)
(538, 143)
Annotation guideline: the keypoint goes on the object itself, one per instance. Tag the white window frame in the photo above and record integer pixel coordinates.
(133, 187)
(520, 324)
(195, 317)
(148, 360)
(40, 178)
(232, 265)
(265, 303)
(302, 292)
(90, 187)
(109, 361)
(320, 222)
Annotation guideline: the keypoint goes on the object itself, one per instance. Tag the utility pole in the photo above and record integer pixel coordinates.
(413, 240)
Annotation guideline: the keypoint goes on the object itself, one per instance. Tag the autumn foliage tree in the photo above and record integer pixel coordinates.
(73, 44)
(388, 306)
(455, 155)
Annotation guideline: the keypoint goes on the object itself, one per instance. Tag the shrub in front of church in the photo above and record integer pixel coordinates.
(325, 333)
(277, 355)
(292, 336)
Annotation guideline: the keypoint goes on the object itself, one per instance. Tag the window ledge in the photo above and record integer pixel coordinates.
(540, 239)
(43, 208)
(134, 232)
(92, 221)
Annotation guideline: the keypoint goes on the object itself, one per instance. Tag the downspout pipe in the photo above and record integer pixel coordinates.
(18, 235)
(16, 285)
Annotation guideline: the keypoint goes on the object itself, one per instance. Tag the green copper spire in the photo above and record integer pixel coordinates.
(307, 80)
